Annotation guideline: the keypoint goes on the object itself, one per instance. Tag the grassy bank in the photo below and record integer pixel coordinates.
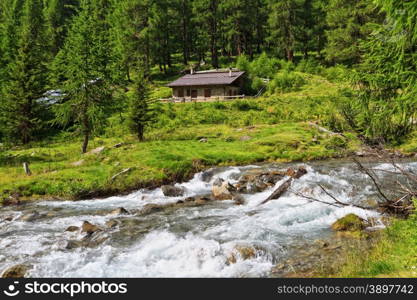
(271, 128)
(59, 170)
(393, 256)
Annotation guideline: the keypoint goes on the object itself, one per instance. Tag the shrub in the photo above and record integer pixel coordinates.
(244, 105)
(286, 82)
(310, 65)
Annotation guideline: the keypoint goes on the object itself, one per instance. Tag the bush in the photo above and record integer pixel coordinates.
(310, 65)
(286, 82)
(244, 105)
(336, 142)
(337, 73)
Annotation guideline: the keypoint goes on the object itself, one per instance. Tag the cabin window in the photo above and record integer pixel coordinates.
(181, 93)
(207, 93)
(194, 94)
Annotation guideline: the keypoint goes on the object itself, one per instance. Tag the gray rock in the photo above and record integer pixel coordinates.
(172, 191)
(223, 190)
(119, 211)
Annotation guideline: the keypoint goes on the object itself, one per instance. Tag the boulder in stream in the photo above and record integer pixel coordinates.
(172, 191)
(17, 271)
(72, 229)
(243, 253)
(350, 222)
(258, 180)
(112, 224)
(119, 211)
(223, 190)
(89, 228)
(31, 216)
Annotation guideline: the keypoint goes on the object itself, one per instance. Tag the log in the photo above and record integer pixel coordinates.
(27, 169)
(281, 190)
(324, 130)
(121, 173)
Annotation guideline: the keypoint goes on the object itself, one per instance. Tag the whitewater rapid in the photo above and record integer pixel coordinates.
(187, 242)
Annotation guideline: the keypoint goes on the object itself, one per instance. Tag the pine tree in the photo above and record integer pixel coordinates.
(349, 22)
(130, 35)
(26, 78)
(84, 67)
(284, 23)
(384, 108)
(58, 13)
(140, 108)
(11, 12)
(207, 16)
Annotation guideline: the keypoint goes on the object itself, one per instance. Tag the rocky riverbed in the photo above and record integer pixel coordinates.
(218, 224)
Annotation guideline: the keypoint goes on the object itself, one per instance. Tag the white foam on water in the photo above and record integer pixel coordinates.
(201, 253)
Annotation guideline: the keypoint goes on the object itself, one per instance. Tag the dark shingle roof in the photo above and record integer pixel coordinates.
(207, 78)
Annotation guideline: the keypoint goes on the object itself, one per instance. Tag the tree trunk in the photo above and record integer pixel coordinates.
(140, 133)
(290, 55)
(85, 143)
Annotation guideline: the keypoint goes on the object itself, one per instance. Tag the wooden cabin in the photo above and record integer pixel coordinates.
(206, 85)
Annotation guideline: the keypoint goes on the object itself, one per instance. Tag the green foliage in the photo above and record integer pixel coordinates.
(140, 113)
(384, 107)
(286, 82)
(349, 23)
(83, 70)
(26, 79)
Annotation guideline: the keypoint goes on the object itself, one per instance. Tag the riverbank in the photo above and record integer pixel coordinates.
(392, 255)
(120, 165)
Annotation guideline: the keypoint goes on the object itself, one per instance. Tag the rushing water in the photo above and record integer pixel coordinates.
(187, 242)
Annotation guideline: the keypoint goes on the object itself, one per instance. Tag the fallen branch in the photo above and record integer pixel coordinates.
(281, 190)
(367, 172)
(121, 173)
(324, 130)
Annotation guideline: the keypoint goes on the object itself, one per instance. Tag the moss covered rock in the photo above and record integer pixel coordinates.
(350, 222)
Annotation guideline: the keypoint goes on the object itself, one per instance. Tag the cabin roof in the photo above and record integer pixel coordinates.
(204, 78)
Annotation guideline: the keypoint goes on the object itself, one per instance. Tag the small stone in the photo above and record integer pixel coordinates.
(18, 271)
(238, 199)
(112, 223)
(74, 244)
(30, 217)
(89, 228)
(78, 163)
(8, 219)
(203, 140)
(97, 150)
(172, 191)
(119, 211)
(119, 145)
(151, 208)
(72, 229)
(245, 138)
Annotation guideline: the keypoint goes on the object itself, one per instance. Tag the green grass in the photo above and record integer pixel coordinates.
(174, 156)
(393, 256)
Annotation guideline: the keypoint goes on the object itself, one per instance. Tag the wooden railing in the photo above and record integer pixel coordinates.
(202, 99)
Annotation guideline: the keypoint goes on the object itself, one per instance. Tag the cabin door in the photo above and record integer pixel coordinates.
(181, 93)
(194, 94)
(207, 93)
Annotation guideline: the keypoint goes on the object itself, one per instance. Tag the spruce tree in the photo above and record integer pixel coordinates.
(84, 69)
(350, 23)
(140, 114)
(284, 23)
(26, 77)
